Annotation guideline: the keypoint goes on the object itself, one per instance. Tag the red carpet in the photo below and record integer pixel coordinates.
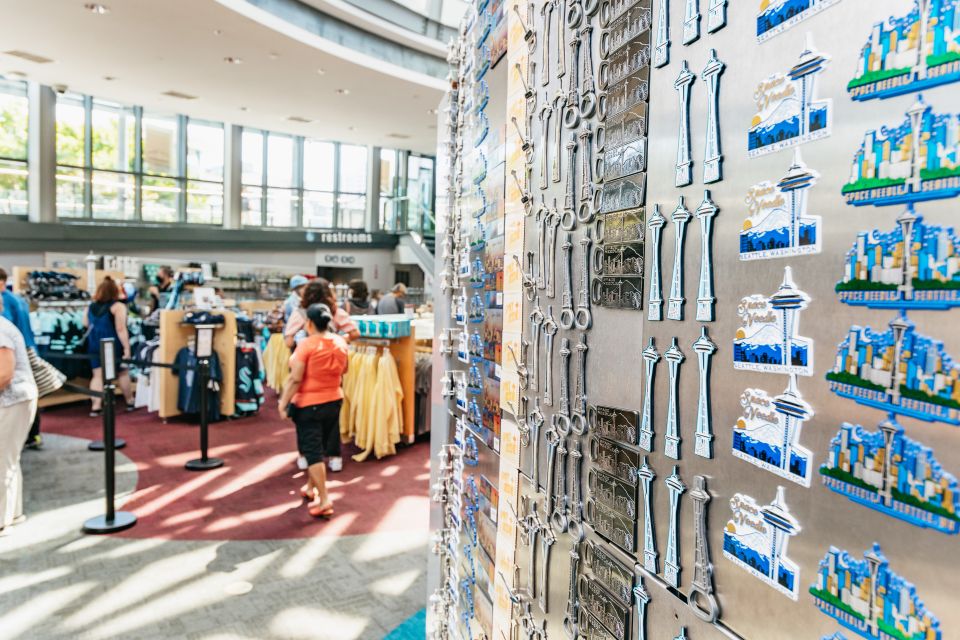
(255, 495)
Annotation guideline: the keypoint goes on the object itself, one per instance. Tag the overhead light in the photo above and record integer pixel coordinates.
(179, 95)
(343, 92)
(218, 32)
(398, 136)
(299, 119)
(273, 55)
(16, 74)
(97, 8)
(321, 71)
(233, 60)
(32, 57)
(351, 128)
(243, 108)
(432, 112)
(109, 78)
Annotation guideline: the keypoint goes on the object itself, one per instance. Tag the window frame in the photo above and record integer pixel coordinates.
(19, 89)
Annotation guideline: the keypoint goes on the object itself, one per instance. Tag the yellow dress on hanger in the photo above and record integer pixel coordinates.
(276, 361)
(381, 427)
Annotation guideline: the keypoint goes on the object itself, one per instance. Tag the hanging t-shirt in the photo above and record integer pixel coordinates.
(325, 358)
(188, 390)
(249, 379)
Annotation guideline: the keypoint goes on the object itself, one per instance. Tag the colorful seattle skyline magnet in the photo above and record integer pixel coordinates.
(899, 371)
(788, 111)
(886, 471)
(891, 167)
(776, 16)
(882, 271)
(778, 225)
(768, 433)
(893, 63)
(868, 598)
(756, 538)
(768, 340)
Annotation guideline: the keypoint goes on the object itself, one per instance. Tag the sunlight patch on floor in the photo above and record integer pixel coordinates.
(396, 584)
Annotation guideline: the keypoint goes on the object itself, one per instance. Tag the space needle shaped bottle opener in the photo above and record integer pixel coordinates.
(704, 349)
(701, 589)
(674, 357)
(646, 475)
(680, 216)
(691, 22)
(655, 301)
(705, 298)
(712, 157)
(684, 161)
(671, 566)
(661, 51)
(650, 360)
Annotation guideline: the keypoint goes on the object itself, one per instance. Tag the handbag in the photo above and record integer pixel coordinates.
(47, 377)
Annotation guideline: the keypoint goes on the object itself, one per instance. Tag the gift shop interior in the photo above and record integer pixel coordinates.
(479, 319)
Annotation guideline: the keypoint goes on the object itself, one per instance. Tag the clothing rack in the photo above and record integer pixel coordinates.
(21, 274)
(402, 350)
(174, 336)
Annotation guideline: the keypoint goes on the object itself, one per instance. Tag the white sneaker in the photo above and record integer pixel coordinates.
(335, 464)
(301, 462)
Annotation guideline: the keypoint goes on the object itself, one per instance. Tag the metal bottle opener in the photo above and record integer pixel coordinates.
(674, 356)
(560, 12)
(702, 586)
(558, 516)
(588, 92)
(526, 277)
(546, 13)
(705, 298)
(546, 112)
(566, 296)
(618, 529)
(550, 329)
(612, 493)
(547, 539)
(536, 322)
(691, 22)
(681, 215)
(579, 418)
(671, 567)
(536, 421)
(646, 475)
(641, 597)
(568, 218)
(610, 612)
(561, 419)
(712, 157)
(586, 210)
(583, 319)
(704, 349)
(616, 577)
(621, 425)
(650, 360)
(716, 15)
(661, 55)
(571, 617)
(571, 115)
(655, 301)
(575, 525)
(684, 160)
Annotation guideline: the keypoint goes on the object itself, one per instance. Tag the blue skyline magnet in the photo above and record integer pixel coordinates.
(893, 63)
(884, 272)
(768, 341)
(756, 538)
(776, 16)
(891, 167)
(899, 371)
(866, 597)
(778, 225)
(768, 433)
(788, 111)
(887, 471)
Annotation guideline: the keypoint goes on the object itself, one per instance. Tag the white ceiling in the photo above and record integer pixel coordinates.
(150, 47)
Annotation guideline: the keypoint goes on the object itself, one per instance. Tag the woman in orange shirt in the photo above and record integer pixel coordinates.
(312, 398)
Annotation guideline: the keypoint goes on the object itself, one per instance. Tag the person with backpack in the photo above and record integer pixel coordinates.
(106, 317)
(358, 303)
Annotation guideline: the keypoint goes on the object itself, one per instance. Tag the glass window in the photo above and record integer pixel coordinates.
(160, 135)
(353, 169)
(13, 187)
(318, 159)
(14, 114)
(204, 203)
(113, 137)
(251, 202)
(252, 157)
(281, 207)
(160, 199)
(353, 208)
(113, 196)
(280, 161)
(205, 151)
(70, 192)
(317, 210)
(71, 120)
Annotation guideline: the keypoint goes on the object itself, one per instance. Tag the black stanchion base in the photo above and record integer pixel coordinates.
(97, 445)
(201, 464)
(122, 520)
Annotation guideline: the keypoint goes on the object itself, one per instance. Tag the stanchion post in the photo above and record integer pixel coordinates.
(204, 352)
(113, 520)
(108, 346)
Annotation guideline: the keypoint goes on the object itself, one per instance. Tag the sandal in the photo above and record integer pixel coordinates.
(305, 493)
(322, 511)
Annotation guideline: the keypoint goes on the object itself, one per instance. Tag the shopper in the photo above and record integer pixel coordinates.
(375, 296)
(17, 311)
(18, 404)
(160, 293)
(358, 303)
(297, 284)
(393, 302)
(106, 317)
(312, 398)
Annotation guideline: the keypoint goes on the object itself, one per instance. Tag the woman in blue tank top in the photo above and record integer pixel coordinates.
(106, 317)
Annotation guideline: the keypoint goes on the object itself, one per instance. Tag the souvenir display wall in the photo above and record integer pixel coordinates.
(767, 449)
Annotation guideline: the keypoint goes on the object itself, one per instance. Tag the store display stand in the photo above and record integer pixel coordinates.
(205, 335)
(402, 350)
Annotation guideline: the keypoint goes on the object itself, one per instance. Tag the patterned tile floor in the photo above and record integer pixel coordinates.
(56, 582)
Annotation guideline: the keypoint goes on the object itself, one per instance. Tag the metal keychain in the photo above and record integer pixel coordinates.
(566, 296)
(520, 364)
(547, 540)
(607, 609)
(655, 302)
(702, 586)
(712, 156)
(615, 459)
(585, 211)
(559, 10)
(588, 93)
(555, 170)
(589, 628)
(691, 22)
(613, 493)
(550, 329)
(568, 218)
(671, 565)
(536, 322)
(526, 199)
(704, 349)
(525, 144)
(558, 515)
(646, 475)
(674, 356)
(684, 160)
(552, 226)
(609, 571)
(706, 212)
(680, 216)
(546, 14)
(571, 617)
(536, 421)
(571, 114)
(526, 278)
(579, 418)
(641, 598)
(542, 214)
(534, 528)
(575, 524)
(552, 438)
(661, 55)
(583, 318)
(650, 359)
(561, 419)
(546, 112)
(621, 425)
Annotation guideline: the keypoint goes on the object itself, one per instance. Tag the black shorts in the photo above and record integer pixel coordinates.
(318, 431)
